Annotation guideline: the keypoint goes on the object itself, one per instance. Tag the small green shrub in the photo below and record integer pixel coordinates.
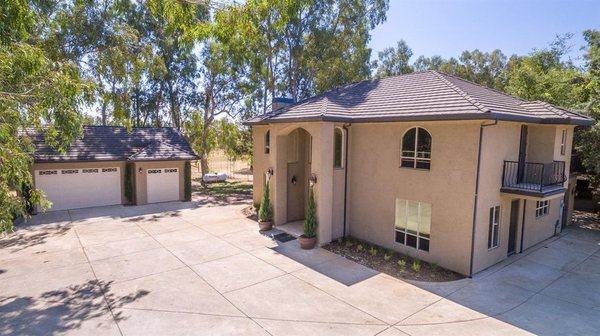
(387, 256)
(401, 263)
(349, 243)
(433, 266)
(265, 212)
(256, 207)
(310, 222)
(129, 183)
(373, 251)
(416, 265)
(360, 248)
(187, 177)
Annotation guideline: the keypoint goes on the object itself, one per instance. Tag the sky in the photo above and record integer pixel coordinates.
(448, 27)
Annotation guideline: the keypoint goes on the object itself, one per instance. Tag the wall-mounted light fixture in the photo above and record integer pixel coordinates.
(312, 180)
(270, 173)
(140, 170)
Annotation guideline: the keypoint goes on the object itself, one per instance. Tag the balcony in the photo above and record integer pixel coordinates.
(533, 179)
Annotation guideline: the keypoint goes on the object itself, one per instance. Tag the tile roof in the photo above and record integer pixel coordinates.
(428, 95)
(114, 143)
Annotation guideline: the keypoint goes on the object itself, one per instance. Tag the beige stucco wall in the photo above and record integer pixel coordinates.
(97, 164)
(140, 178)
(260, 161)
(337, 223)
(499, 143)
(541, 143)
(539, 229)
(376, 180)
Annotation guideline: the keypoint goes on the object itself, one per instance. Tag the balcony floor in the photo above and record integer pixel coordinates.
(533, 189)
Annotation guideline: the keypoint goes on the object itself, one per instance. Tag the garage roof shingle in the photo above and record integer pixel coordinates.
(428, 95)
(114, 143)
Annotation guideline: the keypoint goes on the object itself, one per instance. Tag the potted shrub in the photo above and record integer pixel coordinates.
(309, 238)
(265, 211)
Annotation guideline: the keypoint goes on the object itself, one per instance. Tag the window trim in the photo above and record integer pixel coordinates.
(415, 158)
(542, 208)
(267, 140)
(563, 142)
(405, 231)
(494, 223)
(341, 166)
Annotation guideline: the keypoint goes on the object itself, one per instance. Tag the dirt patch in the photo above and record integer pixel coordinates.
(586, 220)
(250, 213)
(390, 262)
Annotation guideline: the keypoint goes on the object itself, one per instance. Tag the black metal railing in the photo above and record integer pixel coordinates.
(532, 176)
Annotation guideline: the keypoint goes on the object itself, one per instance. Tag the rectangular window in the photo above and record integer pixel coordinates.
(338, 145)
(268, 142)
(413, 224)
(541, 208)
(494, 227)
(563, 142)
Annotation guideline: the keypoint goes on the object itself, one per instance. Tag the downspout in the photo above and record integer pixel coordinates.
(523, 223)
(347, 135)
(477, 194)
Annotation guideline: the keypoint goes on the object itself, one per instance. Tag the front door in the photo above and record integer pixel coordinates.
(296, 191)
(514, 221)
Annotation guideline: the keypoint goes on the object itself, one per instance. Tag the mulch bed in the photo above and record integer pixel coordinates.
(349, 249)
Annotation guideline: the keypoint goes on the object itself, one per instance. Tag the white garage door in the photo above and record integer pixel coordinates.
(162, 184)
(80, 188)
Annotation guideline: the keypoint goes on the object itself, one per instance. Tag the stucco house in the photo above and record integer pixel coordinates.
(111, 165)
(427, 164)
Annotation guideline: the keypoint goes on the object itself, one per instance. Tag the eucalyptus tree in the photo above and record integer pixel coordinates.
(394, 61)
(38, 89)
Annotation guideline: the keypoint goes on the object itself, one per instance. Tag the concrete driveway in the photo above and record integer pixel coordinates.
(196, 269)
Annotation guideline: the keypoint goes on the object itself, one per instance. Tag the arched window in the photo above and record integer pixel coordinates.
(268, 142)
(338, 147)
(416, 149)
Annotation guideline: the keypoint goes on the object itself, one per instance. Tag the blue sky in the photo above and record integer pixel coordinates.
(447, 27)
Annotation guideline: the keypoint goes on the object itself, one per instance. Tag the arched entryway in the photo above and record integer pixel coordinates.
(298, 152)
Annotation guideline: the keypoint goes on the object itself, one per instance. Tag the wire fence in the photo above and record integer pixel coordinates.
(239, 170)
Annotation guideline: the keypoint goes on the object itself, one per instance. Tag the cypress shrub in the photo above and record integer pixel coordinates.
(129, 183)
(310, 222)
(187, 172)
(265, 212)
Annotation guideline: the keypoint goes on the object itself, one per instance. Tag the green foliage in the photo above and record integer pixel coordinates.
(129, 185)
(265, 213)
(360, 248)
(35, 88)
(394, 61)
(401, 263)
(416, 265)
(387, 256)
(349, 243)
(187, 180)
(310, 222)
(373, 251)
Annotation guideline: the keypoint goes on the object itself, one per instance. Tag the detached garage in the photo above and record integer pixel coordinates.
(110, 165)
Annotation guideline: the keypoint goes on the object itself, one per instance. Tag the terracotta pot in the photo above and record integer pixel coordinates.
(307, 243)
(265, 226)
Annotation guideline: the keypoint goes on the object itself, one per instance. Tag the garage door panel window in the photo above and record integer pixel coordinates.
(69, 171)
(48, 172)
(90, 171)
(109, 170)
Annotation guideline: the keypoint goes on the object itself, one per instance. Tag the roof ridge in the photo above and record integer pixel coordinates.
(483, 86)
(461, 92)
